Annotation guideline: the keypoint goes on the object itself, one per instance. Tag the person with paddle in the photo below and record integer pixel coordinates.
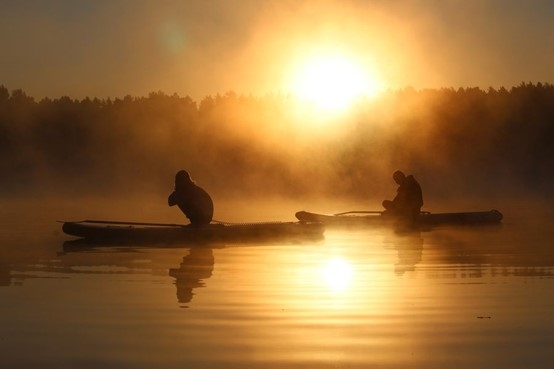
(193, 200)
(408, 200)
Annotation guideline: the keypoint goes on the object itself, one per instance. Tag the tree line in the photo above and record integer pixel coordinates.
(456, 141)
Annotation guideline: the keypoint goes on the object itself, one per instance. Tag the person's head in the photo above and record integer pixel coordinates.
(399, 177)
(182, 177)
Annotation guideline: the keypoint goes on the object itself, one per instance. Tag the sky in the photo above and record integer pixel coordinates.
(114, 48)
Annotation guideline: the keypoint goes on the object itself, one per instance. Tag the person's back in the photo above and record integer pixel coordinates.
(193, 200)
(409, 197)
(412, 194)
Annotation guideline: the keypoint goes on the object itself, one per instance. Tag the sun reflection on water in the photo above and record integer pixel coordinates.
(337, 274)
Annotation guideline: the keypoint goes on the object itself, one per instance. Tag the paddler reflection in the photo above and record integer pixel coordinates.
(197, 266)
(409, 246)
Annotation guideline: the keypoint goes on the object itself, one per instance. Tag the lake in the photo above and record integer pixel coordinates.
(461, 297)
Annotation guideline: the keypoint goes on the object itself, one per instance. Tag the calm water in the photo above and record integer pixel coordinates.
(450, 298)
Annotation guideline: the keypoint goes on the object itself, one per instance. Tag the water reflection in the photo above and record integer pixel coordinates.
(5, 277)
(409, 246)
(77, 259)
(337, 273)
(197, 266)
(518, 250)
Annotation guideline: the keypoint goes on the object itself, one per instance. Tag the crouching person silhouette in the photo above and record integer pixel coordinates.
(193, 200)
(408, 201)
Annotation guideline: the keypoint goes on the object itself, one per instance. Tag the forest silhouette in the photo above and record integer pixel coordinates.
(458, 142)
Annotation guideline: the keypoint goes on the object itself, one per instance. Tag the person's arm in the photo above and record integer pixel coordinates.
(172, 199)
(398, 198)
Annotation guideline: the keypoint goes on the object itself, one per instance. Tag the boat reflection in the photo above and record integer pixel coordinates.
(5, 277)
(197, 266)
(194, 269)
(441, 254)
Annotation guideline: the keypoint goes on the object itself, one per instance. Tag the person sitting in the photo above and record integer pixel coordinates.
(408, 200)
(193, 200)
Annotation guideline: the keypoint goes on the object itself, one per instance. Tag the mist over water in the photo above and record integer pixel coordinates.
(265, 158)
(468, 148)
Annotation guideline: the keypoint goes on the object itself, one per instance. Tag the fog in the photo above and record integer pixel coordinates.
(470, 149)
(204, 47)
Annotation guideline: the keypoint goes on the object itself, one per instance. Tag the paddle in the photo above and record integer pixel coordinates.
(370, 212)
(128, 223)
(360, 212)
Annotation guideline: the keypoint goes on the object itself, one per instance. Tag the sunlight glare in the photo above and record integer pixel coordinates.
(333, 82)
(337, 273)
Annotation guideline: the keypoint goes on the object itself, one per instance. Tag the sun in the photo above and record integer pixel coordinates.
(332, 82)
